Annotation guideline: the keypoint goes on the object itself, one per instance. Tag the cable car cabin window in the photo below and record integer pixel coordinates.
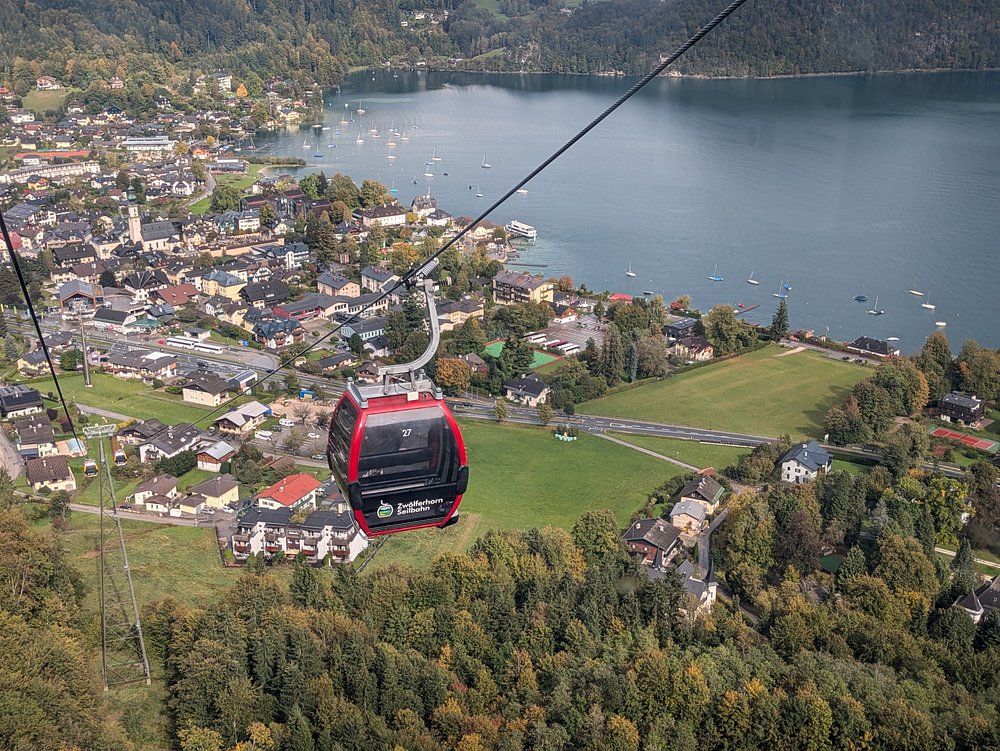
(415, 446)
(341, 434)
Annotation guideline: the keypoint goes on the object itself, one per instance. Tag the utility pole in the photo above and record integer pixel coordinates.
(123, 649)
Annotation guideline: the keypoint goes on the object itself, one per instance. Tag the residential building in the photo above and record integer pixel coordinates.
(312, 305)
(375, 279)
(19, 400)
(804, 461)
(981, 601)
(217, 492)
(866, 345)
(211, 458)
(176, 295)
(50, 472)
(701, 586)
(381, 216)
(336, 362)
(243, 420)
(209, 390)
(513, 287)
(705, 491)
(32, 363)
(140, 432)
(476, 364)
(164, 486)
(460, 311)
(652, 541)
(171, 441)
(324, 537)
(140, 284)
(529, 390)
(265, 294)
(278, 332)
(693, 348)
(116, 321)
(961, 408)
(680, 329)
(366, 328)
(689, 517)
(144, 364)
(292, 492)
(333, 284)
(35, 437)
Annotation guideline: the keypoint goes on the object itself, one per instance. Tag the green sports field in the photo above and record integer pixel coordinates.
(522, 477)
(768, 392)
(541, 358)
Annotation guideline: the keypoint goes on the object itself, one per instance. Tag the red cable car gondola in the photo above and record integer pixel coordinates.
(396, 451)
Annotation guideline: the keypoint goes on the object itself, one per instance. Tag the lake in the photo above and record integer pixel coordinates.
(835, 185)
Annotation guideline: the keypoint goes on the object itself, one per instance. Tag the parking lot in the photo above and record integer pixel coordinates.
(578, 332)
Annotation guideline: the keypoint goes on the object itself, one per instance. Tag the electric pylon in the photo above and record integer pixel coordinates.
(123, 650)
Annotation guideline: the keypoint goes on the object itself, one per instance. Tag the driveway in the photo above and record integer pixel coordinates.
(11, 459)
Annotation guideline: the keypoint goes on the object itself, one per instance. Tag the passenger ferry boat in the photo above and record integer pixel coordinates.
(520, 229)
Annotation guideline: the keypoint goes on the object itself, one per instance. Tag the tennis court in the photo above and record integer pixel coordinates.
(969, 440)
(541, 358)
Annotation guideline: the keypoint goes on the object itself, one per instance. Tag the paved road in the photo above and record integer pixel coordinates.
(151, 518)
(11, 459)
(116, 416)
(209, 187)
(980, 561)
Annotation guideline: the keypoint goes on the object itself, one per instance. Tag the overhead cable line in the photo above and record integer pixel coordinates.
(419, 269)
(16, 263)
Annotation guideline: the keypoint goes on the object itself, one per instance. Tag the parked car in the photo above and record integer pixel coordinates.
(286, 422)
(266, 434)
(318, 457)
(315, 436)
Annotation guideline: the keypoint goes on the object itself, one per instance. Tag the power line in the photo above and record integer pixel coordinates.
(15, 262)
(408, 277)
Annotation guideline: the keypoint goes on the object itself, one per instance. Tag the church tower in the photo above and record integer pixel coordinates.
(134, 225)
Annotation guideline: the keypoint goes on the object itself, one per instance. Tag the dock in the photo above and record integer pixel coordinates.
(525, 263)
(741, 311)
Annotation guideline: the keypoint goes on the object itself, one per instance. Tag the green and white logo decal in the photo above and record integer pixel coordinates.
(384, 511)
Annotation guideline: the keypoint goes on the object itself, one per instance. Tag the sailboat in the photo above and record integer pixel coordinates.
(750, 279)
(861, 296)
(390, 156)
(485, 164)
(928, 305)
(478, 192)
(360, 138)
(916, 292)
(436, 158)
(875, 311)
(394, 190)
(360, 110)
(629, 272)
(781, 294)
(715, 274)
(785, 285)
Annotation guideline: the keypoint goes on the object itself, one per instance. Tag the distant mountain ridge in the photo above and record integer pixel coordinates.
(86, 39)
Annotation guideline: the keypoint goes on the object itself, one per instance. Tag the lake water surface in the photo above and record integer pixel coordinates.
(838, 185)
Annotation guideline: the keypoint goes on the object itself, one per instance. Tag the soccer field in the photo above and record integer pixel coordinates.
(768, 392)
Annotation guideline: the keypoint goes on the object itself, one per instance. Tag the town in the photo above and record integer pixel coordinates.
(209, 309)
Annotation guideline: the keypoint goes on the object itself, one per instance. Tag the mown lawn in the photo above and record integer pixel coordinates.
(765, 393)
(521, 477)
(131, 398)
(41, 102)
(238, 181)
(701, 455)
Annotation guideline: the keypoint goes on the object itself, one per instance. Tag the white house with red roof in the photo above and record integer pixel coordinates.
(292, 492)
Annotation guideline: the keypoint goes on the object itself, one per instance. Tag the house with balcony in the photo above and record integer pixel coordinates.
(291, 492)
(653, 542)
(513, 287)
(243, 420)
(209, 390)
(325, 537)
(212, 457)
(144, 364)
(376, 278)
(171, 441)
(529, 390)
(961, 408)
(275, 333)
(35, 437)
(333, 284)
(19, 400)
(703, 490)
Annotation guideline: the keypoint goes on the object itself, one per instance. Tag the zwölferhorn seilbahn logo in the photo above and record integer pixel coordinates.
(384, 511)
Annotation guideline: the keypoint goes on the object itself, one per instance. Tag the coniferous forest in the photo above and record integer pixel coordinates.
(83, 40)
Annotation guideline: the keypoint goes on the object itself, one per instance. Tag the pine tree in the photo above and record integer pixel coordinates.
(963, 578)
(779, 322)
(613, 356)
(632, 368)
(854, 565)
(3, 325)
(10, 349)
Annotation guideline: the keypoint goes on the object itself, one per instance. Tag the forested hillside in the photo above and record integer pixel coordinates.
(549, 640)
(83, 40)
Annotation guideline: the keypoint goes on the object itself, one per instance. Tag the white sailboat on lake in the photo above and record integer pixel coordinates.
(629, 272)
(485, 164)
(750, 279)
